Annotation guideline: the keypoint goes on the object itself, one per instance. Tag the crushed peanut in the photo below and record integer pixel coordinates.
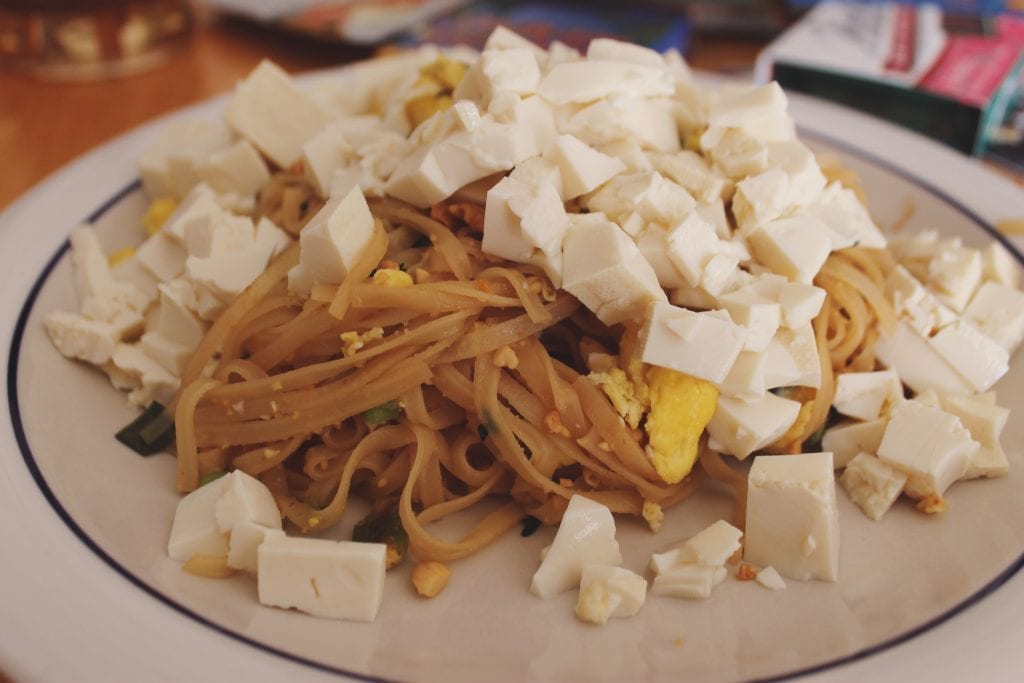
(746, 572)
(653, 515)
(553, 423)
(932, 504)
(430, 577)
(506, 357)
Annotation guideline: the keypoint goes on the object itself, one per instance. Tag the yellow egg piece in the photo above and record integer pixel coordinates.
(681, 407)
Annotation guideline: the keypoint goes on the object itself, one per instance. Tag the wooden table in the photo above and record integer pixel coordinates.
(45, 125)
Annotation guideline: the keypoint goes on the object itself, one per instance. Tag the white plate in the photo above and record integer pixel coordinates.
(87, 592)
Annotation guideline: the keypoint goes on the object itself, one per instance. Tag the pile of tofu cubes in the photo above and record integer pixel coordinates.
(692, 211)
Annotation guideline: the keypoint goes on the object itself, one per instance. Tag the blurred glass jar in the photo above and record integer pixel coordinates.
(91, 39)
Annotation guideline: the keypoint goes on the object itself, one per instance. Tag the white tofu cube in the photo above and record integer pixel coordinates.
(583, 167)
(954, 274)
(796, 246)
(585, 536)
(171, 355)
(985, 421)
(761, 316)
(770, 579)
(917, 363)
(537, 171)
(741, 427)
(712, 546)
(652, 242)
(792, 359)
(930, 445)
(806, 180)
(195, 530)
(800, 303)
(238, 168)
(246, 499)
(244, 542)
(848, 220)
(162, 256)
(691, 244)
(691, 581)
(147, 381)
(979, 359)
(847, 439)
(999, 265)
(332, 242)
(693, 174)
(998, 311)
(604, 269)
(587, 81)
(703, 344)
(274, 114)
(174, 320)
(527, 224)
(613, 50)
(761, 198)
(746, 379)
(739, 155)
(337, 580)
(168, 167)
(867, 395)
(792, 517)
(77, 337)
(872, 485)
(647, 193)
(512, 70)
(607, 592)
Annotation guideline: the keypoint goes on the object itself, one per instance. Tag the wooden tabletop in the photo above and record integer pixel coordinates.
(44, 125)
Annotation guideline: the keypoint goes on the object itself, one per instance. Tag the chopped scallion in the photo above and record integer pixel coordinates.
(149, 433)
(212, 476)
(385, 412)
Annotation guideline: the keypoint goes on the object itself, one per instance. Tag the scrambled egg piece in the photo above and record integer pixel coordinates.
(653, 515)
(436, 84)
(354, 341)
(790, 442)
(157, 214)
(616, 385)
(681, 407)
(120, 256)
(392, 277)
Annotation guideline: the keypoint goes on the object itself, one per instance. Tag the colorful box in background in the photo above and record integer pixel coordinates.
(953, 77)
(572, 23)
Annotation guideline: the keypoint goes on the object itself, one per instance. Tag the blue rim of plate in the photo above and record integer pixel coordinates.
(33, 468)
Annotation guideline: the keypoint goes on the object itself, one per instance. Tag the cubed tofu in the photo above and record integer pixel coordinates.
(848, 220)
(511, 70)
(795, 246)
(928, 444)
(954, 274)
(712, 546)
(691, 243)
(792, 517)
(770, 579)
(646, 193)
(792, 359)
(245, 499)
(168, 167)
(692, 173)
(332, 242)
(274, 114)
(131, 369)
(588, 81)
(195, 530)
(999, 265)
(526, 223)
(244, 542)
(800, 303)
(652, 242)
(741, 427)
(583, 167)
(867, 395)
(238, 168)
(760, 315)
(604, 269)
(325, 578)
(77, 337)
(761, 198)
(917, 363)
(702, 344)
(985, 421)
(979, 359)
(585, 536)
(746, 379)
(847, 439)
(607, 592)
(997, 310)
(872, 485)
